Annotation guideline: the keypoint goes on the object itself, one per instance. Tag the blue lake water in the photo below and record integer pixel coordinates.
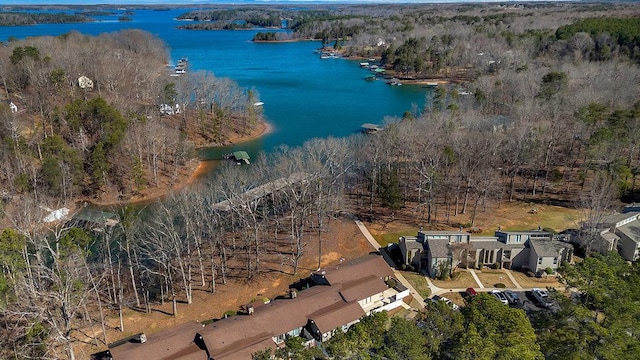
(304, 96)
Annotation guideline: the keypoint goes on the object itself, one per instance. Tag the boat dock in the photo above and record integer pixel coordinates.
(371, 128)
(261, 191)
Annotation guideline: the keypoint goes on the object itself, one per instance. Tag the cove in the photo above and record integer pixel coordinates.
(304, 96)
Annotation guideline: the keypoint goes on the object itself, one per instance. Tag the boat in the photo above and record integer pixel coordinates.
(394, 82)
(259, 103)
(371, 128)
(326, 55)
(364, 64)
(181, 67)
(432, 84)
(371, 78)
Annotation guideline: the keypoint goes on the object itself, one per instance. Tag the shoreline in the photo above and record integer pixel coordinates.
(193, 170)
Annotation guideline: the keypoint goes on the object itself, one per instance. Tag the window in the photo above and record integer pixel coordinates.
(506, 254)
(555, 260)
(539, 261)
(518, 238)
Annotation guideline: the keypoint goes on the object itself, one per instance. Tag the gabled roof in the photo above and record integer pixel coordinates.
(358, 268)
(176, 343)
(616, 219)
(362, 288)
(547, 248)
(274, 319)
(237, 337)
(438, 248)
(337, 317)
(331, 305)
(631, 230)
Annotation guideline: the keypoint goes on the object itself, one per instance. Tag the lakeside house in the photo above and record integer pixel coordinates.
(436, 252)
(338, 297)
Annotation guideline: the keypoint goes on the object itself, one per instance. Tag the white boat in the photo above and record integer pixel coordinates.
(259, 103)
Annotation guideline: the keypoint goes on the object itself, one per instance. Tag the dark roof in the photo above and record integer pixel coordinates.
(358, 268)
(493, 243)
(337, 317)
(175, 343)
(547, 248)
(362, 288)
(438, 248)
(237, 337)
(232, 338)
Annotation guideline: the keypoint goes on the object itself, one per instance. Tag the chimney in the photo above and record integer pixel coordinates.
(293, 293)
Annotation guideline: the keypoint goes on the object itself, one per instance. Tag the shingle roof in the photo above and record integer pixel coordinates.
(175, 343)
(438, 248)
(331, 305)
(237, 337)
(631, 230)
(613, 219)
(337, 317)
(547, 248)
(344, 272)
(362, 288)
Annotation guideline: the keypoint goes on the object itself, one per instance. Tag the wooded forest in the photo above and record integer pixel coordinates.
(541, 105)
(69, 142)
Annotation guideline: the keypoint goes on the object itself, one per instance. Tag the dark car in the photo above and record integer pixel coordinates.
(512, 297)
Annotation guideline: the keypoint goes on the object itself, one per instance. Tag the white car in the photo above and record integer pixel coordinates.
(541, 296)
(500, 296)
(445, 300)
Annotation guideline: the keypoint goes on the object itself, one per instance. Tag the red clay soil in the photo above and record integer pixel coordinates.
(342, 241)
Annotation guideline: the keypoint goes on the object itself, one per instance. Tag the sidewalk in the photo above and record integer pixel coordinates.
(476, 278)
(396, 273)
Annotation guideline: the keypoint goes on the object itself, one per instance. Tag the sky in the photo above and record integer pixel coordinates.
(182, 2)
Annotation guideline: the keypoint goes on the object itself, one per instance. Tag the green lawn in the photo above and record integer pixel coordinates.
(418, 282)
(392, 237)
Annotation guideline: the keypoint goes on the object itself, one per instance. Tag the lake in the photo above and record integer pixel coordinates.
(304, 96)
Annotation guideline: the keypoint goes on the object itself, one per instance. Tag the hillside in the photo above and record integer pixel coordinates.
(86, 120)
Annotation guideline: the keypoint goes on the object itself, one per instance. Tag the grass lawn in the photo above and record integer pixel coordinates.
(490, 278)
(384, 238)
(526, 216)
(418, 282)
(531, 282)
(463, 281)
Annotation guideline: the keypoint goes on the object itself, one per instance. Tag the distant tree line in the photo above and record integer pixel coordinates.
(608, 35)
(19, 18)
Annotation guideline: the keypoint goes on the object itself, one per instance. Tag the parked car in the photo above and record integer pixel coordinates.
(445, 300)
(512, 297)
(541, 297)
(471, 292)
(500, 296)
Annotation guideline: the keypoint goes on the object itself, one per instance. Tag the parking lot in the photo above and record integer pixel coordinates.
(527, 302)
